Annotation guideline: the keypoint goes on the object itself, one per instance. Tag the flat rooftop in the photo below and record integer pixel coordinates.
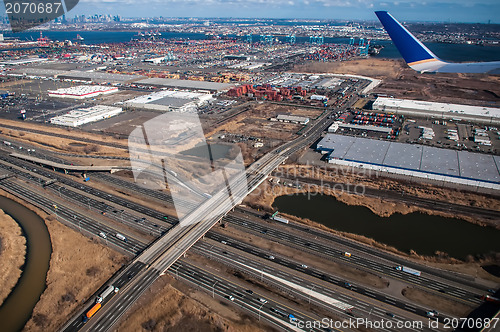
(410, 157)
(186, 84)
(427, 106)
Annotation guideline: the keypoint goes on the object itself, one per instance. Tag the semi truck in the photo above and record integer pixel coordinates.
(92, 311)
(408, 270)
(280, 219)
(121, 237)
(110, 289)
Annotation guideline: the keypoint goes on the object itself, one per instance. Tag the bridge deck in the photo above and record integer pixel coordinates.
(70, 167)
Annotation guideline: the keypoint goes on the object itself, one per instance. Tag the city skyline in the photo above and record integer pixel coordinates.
(431, 11)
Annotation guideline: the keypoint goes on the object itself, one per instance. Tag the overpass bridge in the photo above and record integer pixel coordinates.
(166, 250)
(66, 167)
(158, 257)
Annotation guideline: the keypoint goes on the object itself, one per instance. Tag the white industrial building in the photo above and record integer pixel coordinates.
(82, 116)
(291, 118)
(338, 124)
(413, 161)
(82, 91)
(168, 100)
(155, 60)
(488, 115)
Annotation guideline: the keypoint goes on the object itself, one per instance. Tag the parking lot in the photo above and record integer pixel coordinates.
(444, 135)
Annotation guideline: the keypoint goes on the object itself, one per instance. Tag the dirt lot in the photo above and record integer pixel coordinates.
(436, 302)
(255, 122)
(401, 81)
(165, 308)
(12, 252)
(75, 260)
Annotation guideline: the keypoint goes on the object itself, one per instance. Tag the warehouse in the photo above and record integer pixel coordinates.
(168, 100)
(155, 61)
(437, 164)
(82, 91)
(338, 124)
(291, 118)
(24, 61)
(100, 77)
(488, 115)
(82, 116)
(185, 84)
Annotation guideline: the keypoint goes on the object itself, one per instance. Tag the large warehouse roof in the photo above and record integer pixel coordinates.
(411, 158)
(82, 116)
(186, 84)
(167, 100)
(101, 76)
(82, 91)
(440, 110)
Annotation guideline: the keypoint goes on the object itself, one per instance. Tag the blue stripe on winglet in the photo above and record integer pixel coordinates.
(410, 47)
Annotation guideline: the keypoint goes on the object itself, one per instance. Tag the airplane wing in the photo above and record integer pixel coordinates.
(421, 59)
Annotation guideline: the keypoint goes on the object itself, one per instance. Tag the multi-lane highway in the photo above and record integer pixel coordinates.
(175, 239)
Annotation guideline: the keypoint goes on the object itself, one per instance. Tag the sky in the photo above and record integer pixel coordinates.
(473, 11)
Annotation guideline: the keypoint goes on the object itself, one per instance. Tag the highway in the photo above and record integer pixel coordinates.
(171, 246)
(295, 240)
(275, 313)
(130, 273)
(335, 253)
(176, 239)
(371, 260)
(303, 275)
(76, 219)
(313, 286)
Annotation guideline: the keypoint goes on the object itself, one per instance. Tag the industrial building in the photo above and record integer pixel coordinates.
(82, 91)
(338, 124)
(100, 77)
(185, 84)
(291, 118)
(156, 61)
(168, 100)
(247, 65)
(488, 115)
(77, 75)
(417, 161)
(82, 116)
(24, 61)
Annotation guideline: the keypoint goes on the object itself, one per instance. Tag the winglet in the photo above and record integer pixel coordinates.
(412, 50)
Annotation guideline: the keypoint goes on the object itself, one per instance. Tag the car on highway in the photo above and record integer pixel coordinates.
(223, 242)
(432, 313)
(390, 314)
(303, 266)
(263, 300)
(103, 235)
(230, 297)
(249, 291)
(271, 257)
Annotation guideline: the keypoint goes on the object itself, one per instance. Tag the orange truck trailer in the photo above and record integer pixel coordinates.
(93, 310)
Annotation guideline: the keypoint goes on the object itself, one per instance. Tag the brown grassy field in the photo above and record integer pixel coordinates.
(12, 253)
